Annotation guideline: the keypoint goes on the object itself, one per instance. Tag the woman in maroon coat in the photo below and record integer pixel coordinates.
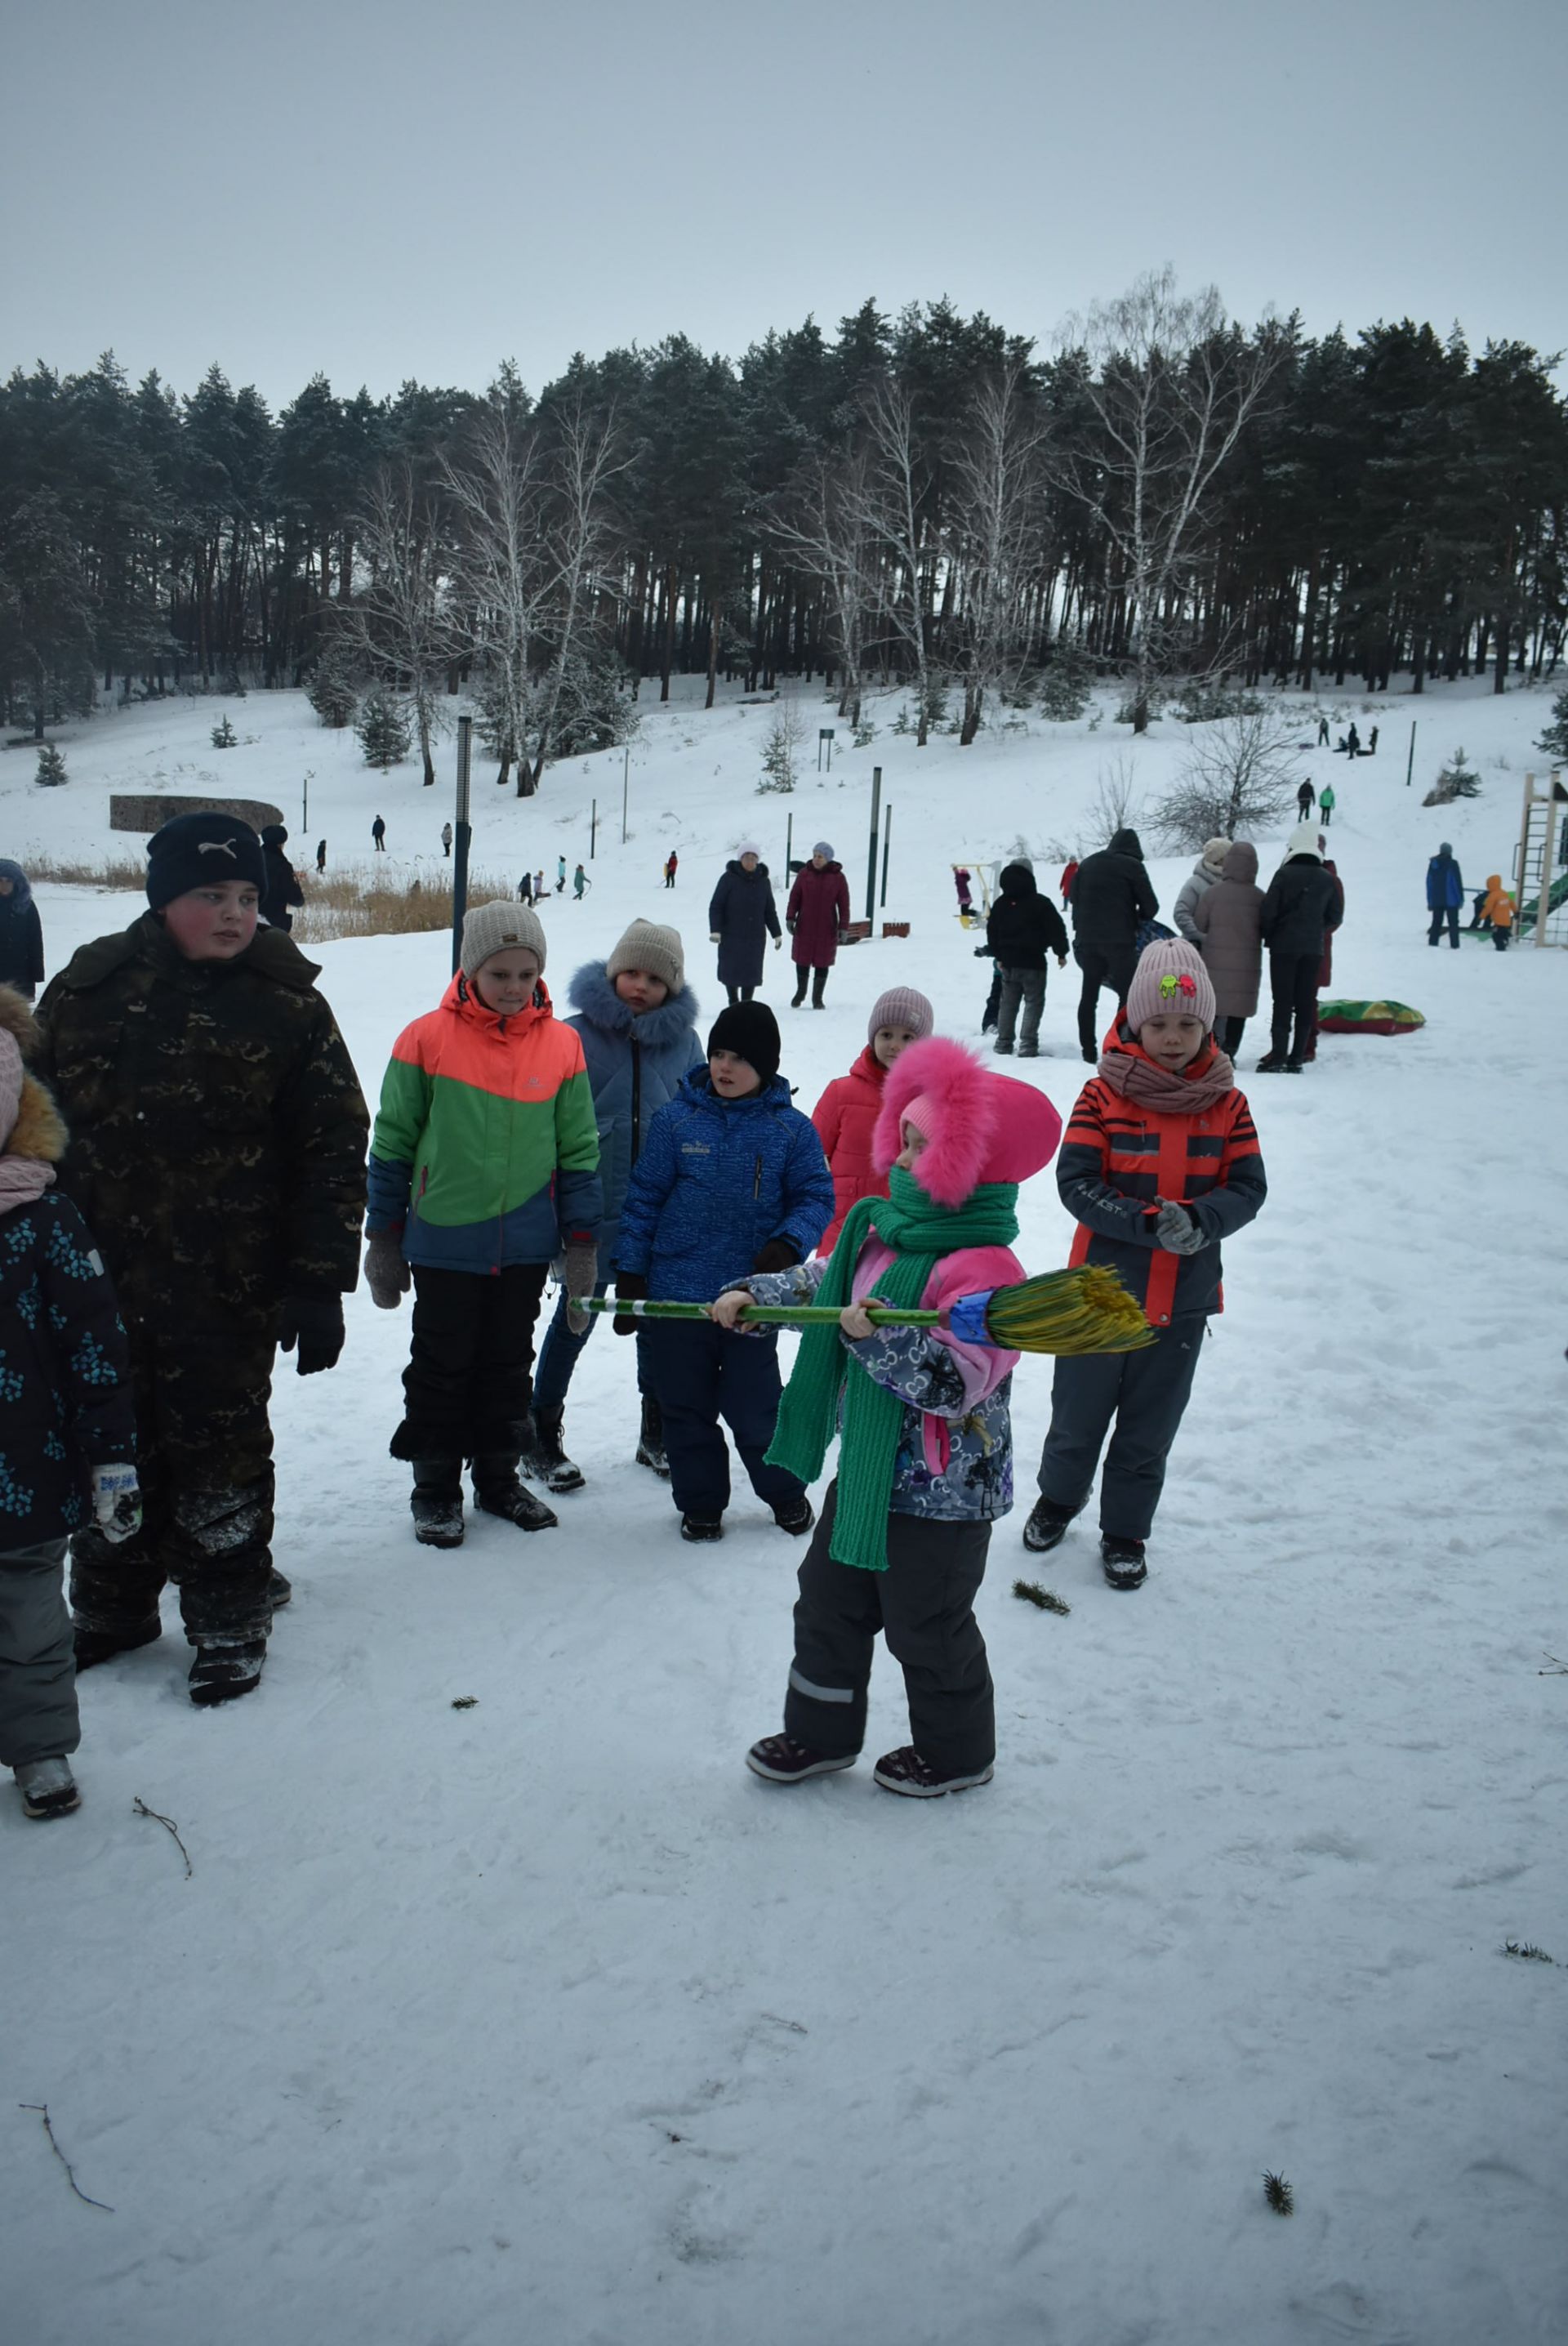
(817, 909)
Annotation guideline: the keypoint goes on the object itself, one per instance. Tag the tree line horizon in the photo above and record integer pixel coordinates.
(921, 499)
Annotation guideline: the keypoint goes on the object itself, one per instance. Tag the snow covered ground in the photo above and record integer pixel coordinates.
(542, 2020)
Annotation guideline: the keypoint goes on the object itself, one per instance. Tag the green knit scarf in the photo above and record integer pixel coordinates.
(921, 1232)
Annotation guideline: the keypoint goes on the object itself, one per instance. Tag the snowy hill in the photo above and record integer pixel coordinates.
(542, 2020)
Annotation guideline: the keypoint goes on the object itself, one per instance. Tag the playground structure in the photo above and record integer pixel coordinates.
(1542, 826)
(983, 876)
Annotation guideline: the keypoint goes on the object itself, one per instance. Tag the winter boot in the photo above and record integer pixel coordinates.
(1046, 1527)
(497, 1490)
(1272, 1066)
(1003, 1047)
(905, 1771)
(437, 1502)
(650, 1442)
(1122, 1562)
(94, 1645)
(784, 1761)
(702, 1527)
(280, 1591)
(795, 1514)
(48, 1788)
(547, 1461)
(223, 1673)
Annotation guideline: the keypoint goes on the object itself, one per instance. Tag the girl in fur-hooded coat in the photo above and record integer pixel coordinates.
(925, 1461)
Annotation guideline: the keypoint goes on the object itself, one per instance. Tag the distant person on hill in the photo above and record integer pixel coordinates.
(1327, 802)
(321, 857)
(1305, 798)
(526, 889)
(1229, 920)
(379, 834)
(1203, 876)
(1445, 894)
(581, 884)
(740, 918)
(672, 865)
(1022, 927)
(1301, 907)
(1372, 743)
(560, 874)
(447, 839)
(21, 931)
(1322, 733)
(283, 893)
(1353, 742)
(961, 881)
(539, 887)
(818, 909)
(1069, 873)
(1110, 897)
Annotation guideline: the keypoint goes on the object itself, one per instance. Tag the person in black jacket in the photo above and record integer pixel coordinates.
(283, 891)
(1021, 928)
(21, 933)
(740, 919)
(1304, 904)
(1110, 898)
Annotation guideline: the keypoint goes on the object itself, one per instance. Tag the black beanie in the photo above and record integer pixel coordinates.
(750, 1030)
(199, 850)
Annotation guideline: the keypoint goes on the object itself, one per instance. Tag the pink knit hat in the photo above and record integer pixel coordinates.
(978, 1127)
(901, 1005)
(1170, 976)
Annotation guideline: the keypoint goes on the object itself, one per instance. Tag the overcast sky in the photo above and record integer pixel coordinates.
(385, 189)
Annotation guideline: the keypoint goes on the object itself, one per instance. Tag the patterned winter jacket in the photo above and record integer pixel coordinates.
(65, 1395)
(716, 1180)
(218, 1130)
(954, 1460)
(484, 1152)
(1119, 1159)
(635, 1066)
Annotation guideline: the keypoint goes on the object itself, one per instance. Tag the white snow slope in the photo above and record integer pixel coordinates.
(542, 2020)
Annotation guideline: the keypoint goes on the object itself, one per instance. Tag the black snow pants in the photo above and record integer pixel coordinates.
(1110, 965)
(701, 1373)
(1451, 915)
(1145, 1394)
(1023, 988)
(469, 1381)
(204, 1461)
(1293, 982)
(924, 1605)
(38, 1718)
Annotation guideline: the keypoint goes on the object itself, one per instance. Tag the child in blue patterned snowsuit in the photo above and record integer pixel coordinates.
(731, 1180)
(67, 1430)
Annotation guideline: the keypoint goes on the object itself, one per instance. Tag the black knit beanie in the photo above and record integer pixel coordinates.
(750, 1030)
(200, 851)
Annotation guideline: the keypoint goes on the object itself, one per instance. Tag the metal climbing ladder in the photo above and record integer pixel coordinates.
(1541, 884)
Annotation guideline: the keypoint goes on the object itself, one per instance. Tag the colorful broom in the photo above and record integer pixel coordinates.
(1083, 1310)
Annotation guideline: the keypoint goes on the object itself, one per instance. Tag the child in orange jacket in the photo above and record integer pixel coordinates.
(1497, 911)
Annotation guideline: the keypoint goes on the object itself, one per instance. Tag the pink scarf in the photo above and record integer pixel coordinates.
(1135, 1076)
(23, 1180)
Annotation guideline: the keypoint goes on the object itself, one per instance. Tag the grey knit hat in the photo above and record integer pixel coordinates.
(495, 928)
(901, 1005)
(823, 846)
(648, 944)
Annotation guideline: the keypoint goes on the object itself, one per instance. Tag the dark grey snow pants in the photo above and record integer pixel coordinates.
(924, 1605)
(1145, 1393)
(38, 1718)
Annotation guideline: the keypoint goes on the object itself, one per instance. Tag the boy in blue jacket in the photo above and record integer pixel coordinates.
(636, 1018)
(731, 1180)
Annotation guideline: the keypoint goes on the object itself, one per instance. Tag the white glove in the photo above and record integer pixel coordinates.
(777, 943)
(1176, 1231)
(117, 1502)
(714, 938)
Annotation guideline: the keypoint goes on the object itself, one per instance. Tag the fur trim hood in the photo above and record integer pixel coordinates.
(39, 1129)
(979, 1127)
(16, 1020)
(592, 994)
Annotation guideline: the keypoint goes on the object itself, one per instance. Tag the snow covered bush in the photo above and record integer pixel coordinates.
(51, 770)
(1555, 739)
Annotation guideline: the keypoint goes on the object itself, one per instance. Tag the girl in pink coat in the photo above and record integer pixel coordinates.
(846, 1114)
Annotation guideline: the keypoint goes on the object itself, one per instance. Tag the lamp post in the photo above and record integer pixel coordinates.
(460, 848)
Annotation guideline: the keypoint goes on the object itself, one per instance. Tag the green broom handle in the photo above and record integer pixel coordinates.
(764, 1315)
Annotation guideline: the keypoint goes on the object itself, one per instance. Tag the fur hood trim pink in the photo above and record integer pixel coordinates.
(978, 1127)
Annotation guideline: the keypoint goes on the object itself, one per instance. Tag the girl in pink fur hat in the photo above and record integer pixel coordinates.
(925, 1464)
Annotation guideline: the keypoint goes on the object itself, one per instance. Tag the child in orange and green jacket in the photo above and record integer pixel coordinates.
(484, 1171)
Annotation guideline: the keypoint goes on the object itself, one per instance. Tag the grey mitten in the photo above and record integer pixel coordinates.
(582, 1276)
(386, 1273)
(1176, 1231)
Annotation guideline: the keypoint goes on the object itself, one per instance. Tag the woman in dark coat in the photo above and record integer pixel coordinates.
(740, 918)
(21, 935)
(817, 909)
(285, 894)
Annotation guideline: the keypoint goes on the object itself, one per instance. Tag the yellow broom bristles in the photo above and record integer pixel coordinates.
(1084, 1310)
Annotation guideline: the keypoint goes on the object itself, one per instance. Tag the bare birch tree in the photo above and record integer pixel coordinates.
(998, 527)
(401, 623)
(886, 505)
(822, 528)
(1168, 390)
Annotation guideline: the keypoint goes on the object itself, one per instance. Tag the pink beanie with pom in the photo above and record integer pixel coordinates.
(1170, 976)
(978, 1127)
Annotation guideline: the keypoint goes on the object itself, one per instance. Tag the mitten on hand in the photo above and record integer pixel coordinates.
(1176, 1231)
(713, 937)
(314, 1322)
(386, 1273)
(777, 941)
(582, 1276)
(630, 1288)
(779, 1254)
(117, 1502)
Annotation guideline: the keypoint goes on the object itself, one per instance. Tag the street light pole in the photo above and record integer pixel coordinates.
(463, 834)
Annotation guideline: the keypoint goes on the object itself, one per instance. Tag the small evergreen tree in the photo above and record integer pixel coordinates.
(51, 768)
(784, 737)
(1455, 780)
(224, 736)
(1554, 741)
(1067, 685)
(331, 691)
(384, 730)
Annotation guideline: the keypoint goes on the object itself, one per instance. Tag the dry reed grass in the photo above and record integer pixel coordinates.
(353, 901)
